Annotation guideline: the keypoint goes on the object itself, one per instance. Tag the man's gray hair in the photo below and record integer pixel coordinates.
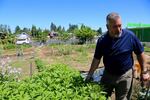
(112, 16)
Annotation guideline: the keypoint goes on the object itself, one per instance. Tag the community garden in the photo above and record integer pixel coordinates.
(49, 72)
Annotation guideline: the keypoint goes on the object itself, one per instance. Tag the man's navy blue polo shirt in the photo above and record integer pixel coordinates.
(117, 52)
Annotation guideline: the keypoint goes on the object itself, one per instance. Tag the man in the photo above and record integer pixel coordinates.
(116, 47)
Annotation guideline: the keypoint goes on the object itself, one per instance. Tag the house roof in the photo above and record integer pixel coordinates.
(22, 36)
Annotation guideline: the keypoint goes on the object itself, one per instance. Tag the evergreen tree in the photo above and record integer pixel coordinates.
(33, 31)
(53, 27)
(17, 30)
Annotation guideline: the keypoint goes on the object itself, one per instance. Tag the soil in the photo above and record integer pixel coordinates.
(49, 55)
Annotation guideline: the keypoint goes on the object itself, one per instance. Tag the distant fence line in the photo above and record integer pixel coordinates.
(58, 41)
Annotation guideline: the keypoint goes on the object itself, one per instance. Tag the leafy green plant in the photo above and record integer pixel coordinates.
(9, 46)
(54, 82)
(39, 64)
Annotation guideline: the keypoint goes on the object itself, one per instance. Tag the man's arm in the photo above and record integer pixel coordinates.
(141, 60)
(94, 66)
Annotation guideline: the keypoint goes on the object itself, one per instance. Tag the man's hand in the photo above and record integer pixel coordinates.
(94, 66)
(88, 78)
(145, 76)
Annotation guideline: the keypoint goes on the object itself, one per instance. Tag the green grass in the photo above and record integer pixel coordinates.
(19, 63)
(147, 49)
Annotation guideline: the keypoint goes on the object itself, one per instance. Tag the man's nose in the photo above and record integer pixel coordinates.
(118, 29)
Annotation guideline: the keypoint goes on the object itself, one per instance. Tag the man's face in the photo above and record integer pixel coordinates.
(114, 27)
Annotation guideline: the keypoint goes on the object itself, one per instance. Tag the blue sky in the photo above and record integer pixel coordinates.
(92, 13)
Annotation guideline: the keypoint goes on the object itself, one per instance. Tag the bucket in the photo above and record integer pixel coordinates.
(97, 75)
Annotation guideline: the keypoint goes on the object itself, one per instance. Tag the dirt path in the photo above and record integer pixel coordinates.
(49, 56)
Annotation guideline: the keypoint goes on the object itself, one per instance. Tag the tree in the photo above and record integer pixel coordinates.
(33, 31)
(64, 36)
(59, 29)
(84, 34)
(3, 35)
(9, 30)
(63, 29)
(38, 33)
(72, 28)
(45, 32)
(17, 30)
(53, 27)
(26, 30)
(99, 31)
(42, 36)
(4, 31)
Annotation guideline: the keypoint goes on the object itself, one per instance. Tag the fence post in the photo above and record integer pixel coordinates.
(30, 68)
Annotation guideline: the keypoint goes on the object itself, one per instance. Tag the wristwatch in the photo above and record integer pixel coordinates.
(144, 72)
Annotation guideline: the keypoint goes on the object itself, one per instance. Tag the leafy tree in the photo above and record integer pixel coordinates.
(9, 30)
(17, 30)
(64, 36)
(26, 30)
(72, 28)
(46, 32)
(3, 35)
(42, 35)
(99, 31)
(11, 39)
(39, 33)
(84, 34)
(4, 31)
(3, 28)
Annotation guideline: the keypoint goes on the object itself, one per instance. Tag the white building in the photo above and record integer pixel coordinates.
(23, 38)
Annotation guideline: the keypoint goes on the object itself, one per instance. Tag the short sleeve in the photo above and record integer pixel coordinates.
(98, 49)
(137, 46)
